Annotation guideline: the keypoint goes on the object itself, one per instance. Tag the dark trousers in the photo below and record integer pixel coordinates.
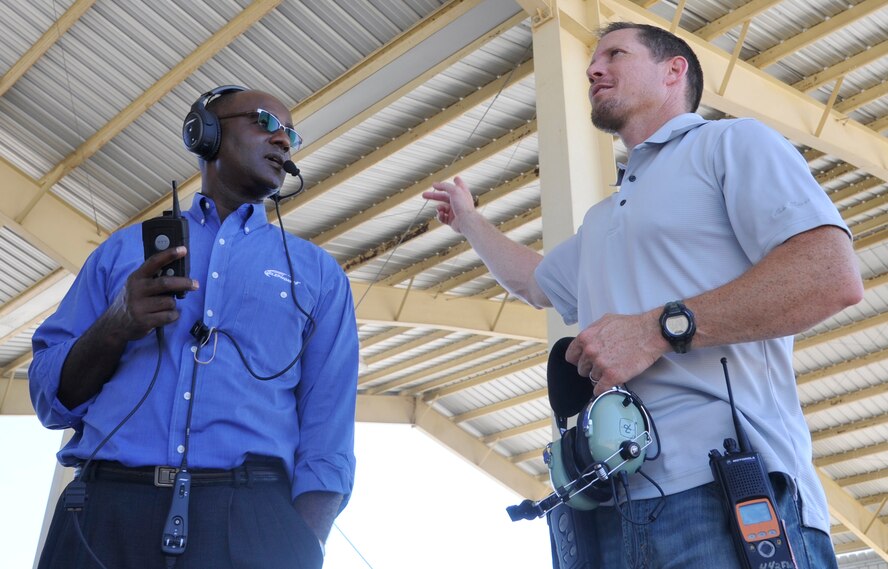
(231, 526)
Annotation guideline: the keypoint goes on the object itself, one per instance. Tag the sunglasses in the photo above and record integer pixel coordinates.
(272, 124)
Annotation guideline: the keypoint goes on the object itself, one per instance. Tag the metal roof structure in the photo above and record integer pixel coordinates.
(391, 95)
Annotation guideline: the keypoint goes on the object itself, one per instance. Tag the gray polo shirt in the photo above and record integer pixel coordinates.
(699, 203)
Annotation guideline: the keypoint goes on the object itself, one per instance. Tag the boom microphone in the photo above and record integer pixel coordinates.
(569, 391)
(291, 168)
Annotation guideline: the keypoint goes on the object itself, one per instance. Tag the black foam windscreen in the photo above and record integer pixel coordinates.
(569, 391)
(291, 168)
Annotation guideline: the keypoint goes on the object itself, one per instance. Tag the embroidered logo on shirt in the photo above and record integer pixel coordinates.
(280, 275)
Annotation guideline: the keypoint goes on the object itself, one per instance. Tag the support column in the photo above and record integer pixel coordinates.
(576, 160)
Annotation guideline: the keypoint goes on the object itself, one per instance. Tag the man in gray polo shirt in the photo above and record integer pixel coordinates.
(720, 225)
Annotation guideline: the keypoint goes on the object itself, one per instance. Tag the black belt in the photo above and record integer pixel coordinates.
(247, 473)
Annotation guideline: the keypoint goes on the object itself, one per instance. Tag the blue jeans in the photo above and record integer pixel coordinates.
(690, 531)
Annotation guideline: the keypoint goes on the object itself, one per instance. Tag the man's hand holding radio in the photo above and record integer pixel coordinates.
(148, 299)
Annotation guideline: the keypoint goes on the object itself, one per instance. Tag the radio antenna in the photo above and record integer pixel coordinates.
(177, 213)
(742, 439)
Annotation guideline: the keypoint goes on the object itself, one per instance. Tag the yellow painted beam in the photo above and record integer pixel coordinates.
(852, 427)
(479, 353)
(844, 67)
(383, 56)
(458, 249)
(16, 399)
(409, 410)
(723, 24)
(864, 97)
(380, 305)
(425, 128)
(218, 41)
(415, 189)
(52, 227)
(855, 517)
(419, 80)
(500, 405)
(496, 373)
(813, 34)
(416, 360)
(42, 45)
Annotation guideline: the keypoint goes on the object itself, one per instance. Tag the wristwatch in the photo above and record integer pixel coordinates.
(677, 325)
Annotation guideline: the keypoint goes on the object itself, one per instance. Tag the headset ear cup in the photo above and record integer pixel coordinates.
(192, 131)
(564, 471)
(568, 457)
(201, 130)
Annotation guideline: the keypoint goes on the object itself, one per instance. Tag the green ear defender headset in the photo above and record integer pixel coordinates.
(609, 442)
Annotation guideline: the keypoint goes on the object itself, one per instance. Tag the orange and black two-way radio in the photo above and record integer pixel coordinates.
(748, 497)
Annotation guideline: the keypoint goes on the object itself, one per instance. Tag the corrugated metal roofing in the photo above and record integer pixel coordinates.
(312, 54)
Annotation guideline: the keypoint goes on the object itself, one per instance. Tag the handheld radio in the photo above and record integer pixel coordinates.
(161, 233)
(758, 533)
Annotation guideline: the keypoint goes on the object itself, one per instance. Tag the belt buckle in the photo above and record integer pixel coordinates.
(165, 476)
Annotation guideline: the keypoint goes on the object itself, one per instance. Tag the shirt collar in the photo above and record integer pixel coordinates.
(673, 128)
(252, 216)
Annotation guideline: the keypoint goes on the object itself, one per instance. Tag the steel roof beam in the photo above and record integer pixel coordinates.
(855, 517)
(458, 249)
(411, 411)
(722, 25)
(218, 41)
(489, 371)
(445, 365)
(412, 135)
(49, 38)
(432, 224)
(414, 190)
(792, 45)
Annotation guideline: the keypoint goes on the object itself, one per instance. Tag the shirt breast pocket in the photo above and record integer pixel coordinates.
(272, 327)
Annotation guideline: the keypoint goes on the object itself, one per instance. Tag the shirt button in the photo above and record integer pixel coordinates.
(210, 313)
(203, 221)
(221, 241)
(246, 229)
(622, 202)
(284, 294)
(187, 396)
(180, 449)
(215, 275)
(632, 178)
(193, 349)
(205, 204)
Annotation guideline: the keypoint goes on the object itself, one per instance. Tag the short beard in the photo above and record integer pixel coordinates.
(606, 118)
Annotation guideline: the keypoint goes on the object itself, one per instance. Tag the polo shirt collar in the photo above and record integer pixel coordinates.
(252, 216)
(673, 128)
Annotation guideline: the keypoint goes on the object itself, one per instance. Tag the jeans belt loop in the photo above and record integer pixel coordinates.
(165, 476)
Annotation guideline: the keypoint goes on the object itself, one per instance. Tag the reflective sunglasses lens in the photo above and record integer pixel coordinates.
(269, 121)
(295, 139)
(264, 120)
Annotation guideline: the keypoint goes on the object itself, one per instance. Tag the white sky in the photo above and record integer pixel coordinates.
(415, 504)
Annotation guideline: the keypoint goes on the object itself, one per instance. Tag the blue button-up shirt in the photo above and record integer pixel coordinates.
(305, 417)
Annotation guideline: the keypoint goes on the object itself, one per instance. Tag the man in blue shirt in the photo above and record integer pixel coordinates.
(718, 244)
(257, 408)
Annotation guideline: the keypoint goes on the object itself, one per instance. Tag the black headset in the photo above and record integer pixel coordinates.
(201, 131)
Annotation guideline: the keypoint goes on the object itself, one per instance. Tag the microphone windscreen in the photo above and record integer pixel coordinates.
(291, 168)
(569, 391)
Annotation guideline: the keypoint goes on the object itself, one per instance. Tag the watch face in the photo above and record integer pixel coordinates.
(677, 325)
